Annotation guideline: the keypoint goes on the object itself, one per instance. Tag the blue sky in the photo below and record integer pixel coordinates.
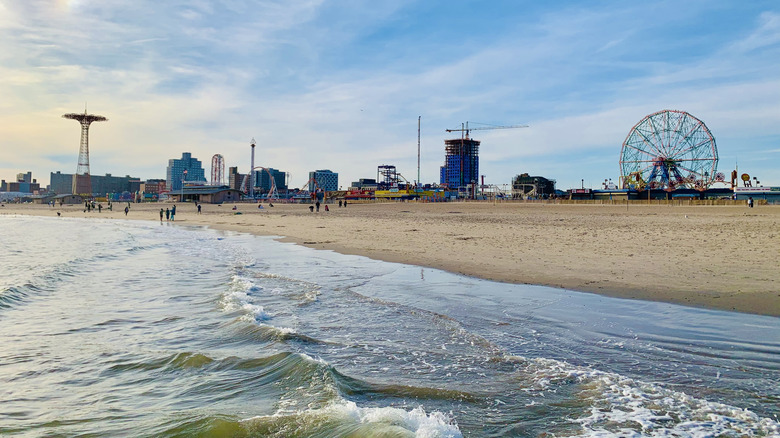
(339, 84)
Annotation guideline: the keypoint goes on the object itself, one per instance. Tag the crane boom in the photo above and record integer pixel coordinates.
(465, 128)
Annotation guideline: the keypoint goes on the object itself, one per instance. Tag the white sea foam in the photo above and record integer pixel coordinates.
(238, 297)
(349, 415)
(621, 406)
(625, 406)
(435, 424)
(257, 312)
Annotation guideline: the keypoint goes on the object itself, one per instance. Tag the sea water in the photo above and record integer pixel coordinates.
(124, 328)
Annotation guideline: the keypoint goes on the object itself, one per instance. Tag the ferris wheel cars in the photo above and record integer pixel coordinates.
(666, 144)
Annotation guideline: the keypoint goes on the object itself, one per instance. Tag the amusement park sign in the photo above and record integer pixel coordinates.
(756, 189)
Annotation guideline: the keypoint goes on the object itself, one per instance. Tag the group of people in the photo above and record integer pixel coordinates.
(91, 205)
(170, 213)
(317, 206)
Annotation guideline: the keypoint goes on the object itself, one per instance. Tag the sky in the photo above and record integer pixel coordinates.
(340, 85)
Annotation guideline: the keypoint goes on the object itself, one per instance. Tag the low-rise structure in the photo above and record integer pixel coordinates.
(206, 195)
(525, 185)
(62, 183)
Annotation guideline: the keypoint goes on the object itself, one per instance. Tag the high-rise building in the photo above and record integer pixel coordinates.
(461, 163)
(263, 180)
(24, 177)
(235, 179)
(184, 170)
(325, 179)
(61, 183)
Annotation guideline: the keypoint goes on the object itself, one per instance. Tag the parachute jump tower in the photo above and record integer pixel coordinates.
(82, 184)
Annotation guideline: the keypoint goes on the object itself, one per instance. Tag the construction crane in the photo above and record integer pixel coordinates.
(465, 128)
(458, 148)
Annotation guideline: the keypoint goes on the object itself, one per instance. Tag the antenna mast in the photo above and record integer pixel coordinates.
(418, 151)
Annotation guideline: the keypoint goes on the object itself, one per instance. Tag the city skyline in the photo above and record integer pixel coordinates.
(326, 85)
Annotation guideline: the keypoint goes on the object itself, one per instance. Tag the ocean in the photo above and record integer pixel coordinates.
(130, 328)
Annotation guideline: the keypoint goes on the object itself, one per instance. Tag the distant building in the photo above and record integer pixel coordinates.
(24, 187)
(323, 179)
(24, 177)
(263, 180)
(68, 199)
(103, 184)
(24, 184)
(62, 183)
(364, 184)
(524, 185)
(151, 188)
(206, 195)
(461, 163)
(184, 169)
(235, 179)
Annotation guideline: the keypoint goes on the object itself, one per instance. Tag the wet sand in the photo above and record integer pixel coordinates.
(719, 257)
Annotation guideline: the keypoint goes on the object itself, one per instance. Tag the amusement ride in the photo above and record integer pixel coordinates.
(669, 150)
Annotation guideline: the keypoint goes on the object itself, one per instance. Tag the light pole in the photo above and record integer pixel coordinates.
(252, 173)
(183, 178)
(418, 156)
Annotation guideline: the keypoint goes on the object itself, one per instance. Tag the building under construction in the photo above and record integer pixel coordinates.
(461, 163)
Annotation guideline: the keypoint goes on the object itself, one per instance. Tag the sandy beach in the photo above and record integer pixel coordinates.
(720, 257)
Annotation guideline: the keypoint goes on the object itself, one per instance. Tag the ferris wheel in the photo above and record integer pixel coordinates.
(667, 150)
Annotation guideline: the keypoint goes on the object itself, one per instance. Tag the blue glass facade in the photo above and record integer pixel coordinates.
(263, 180)
(325, 180)
(176, 168)
(461, 163)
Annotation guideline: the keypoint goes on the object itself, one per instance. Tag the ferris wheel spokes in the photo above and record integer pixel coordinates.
(669, 149)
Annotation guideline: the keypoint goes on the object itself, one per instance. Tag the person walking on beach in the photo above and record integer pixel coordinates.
(161, 214)
(126, 210)
(317, 204)
(167, 214)
(173, 212)
(750, 201)
(100, 208)
(198, 208)
(345, 203)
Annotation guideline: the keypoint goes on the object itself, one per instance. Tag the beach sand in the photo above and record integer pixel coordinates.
(719, 257)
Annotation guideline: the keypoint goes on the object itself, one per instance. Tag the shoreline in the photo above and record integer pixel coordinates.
(716, 257)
